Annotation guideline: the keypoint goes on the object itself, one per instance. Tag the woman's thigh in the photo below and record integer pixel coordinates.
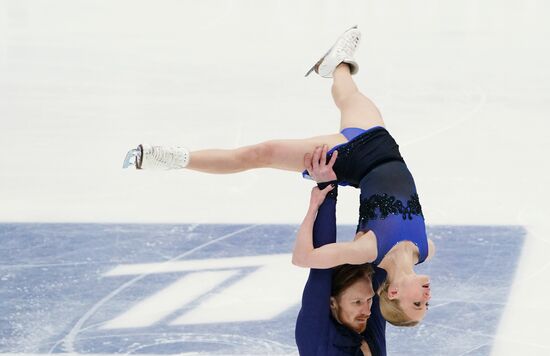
(289, 154)
(359, 111)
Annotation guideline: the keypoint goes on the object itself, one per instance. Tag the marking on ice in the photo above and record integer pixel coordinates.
(69, 340)
(261, 295)
(168, 300)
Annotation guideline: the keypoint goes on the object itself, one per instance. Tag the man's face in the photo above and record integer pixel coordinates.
(352, 306)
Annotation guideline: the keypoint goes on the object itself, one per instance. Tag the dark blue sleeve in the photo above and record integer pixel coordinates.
(312, 324)
(375, 333)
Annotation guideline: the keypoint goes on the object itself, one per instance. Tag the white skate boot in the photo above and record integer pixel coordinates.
(157, 157)
(342, 51)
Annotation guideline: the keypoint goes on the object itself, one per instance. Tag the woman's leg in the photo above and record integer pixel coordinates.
(356, 109)
(279, 154)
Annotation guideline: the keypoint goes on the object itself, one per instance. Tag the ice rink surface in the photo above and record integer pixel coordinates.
(464, 87)
(221, 289)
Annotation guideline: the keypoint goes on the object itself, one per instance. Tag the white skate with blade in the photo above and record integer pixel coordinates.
(341, 52)
(157, 157)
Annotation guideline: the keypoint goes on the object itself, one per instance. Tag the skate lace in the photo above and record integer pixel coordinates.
(164, 155)
(348, 45)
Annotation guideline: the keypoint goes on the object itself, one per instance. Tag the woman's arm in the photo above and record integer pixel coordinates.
(431, 250)
(357, 252)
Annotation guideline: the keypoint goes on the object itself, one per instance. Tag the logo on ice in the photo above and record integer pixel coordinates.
(236, 289)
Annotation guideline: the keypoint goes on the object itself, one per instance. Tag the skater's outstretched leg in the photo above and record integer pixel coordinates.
(279, 154)
(356, 109)
(339, 63)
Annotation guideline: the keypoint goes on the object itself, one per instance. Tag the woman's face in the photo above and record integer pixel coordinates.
(352, 306)
(414, 295)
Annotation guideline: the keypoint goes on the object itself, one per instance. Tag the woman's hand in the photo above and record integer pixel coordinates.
(318, 196)
(317, 166)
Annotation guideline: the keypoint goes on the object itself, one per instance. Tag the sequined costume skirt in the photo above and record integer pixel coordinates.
(363, 153)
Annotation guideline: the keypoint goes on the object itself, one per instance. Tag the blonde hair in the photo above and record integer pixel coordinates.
(391, 310)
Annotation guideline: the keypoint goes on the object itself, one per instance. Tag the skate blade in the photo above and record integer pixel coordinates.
(131, 158)
(311, 70)
(318, 62)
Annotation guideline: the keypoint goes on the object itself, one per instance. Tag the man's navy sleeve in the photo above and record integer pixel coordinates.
(312, 325)
(375, 334)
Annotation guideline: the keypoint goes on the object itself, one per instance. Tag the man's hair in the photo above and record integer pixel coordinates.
(344, 276)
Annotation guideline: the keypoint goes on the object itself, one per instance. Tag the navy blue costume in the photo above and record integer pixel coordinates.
(389, 204)
(390, 208)
(317, 332)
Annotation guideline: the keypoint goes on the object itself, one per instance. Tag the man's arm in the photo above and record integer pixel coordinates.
(312, 325)
(375, 333)
(307, 254)
(314, 316)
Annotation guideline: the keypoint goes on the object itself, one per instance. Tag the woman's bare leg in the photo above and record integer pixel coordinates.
(356, 109)
(279, 154)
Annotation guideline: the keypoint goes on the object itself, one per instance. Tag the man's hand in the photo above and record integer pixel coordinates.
(318, 196)
(317, 166)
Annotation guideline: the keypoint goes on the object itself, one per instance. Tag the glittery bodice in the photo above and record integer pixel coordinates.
(391, 209)
(379, 206)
